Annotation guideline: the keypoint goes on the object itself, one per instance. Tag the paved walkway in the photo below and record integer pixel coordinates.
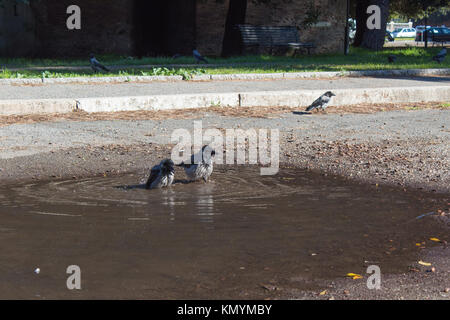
(77, 91)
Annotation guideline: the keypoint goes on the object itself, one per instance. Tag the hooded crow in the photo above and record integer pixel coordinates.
(198, 57)
(95, 65)
(321, 102)
(201, 164)
(439, 58)
(161, 175)
(392, 58)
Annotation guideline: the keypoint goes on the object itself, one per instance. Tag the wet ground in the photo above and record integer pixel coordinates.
(240, 236)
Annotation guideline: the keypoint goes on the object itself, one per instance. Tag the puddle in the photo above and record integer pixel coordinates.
(218, 240)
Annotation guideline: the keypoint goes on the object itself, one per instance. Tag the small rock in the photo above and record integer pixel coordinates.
(37, 270)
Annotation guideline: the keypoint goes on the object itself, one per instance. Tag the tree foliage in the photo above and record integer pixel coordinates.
(418, 8)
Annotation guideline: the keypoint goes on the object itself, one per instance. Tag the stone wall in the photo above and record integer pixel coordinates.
(17, 29)
(328, 33)
(106, 27)
(210, 26)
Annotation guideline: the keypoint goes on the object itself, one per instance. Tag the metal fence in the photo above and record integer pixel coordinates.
(391, 26)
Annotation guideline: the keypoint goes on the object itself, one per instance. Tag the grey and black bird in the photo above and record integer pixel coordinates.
(392, 58)
(439, 58)
(201, 165)
(198, 57)
(321, 102)
(96, 65)
(161, 175)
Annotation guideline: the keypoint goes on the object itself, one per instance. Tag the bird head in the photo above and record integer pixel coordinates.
(91, 56)
(167, 166)
(208, 152)
(329, 94)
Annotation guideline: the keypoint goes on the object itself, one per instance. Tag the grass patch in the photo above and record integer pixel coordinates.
(358, 59)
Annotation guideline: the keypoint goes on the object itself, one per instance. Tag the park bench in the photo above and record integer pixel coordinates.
(272, 37)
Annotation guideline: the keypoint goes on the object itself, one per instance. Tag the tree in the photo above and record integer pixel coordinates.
(418, 8)
(374, 39)
(236, 15)
(370, 38)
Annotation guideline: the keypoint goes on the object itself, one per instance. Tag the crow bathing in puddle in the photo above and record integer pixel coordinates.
(204, 166)
(321, 102)
(161, 175)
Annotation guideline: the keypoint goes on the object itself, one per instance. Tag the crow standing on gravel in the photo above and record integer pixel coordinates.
(321, 102)
(161, 175)
(204, 166)
(440, 56)
(95, 65)
(198, 57)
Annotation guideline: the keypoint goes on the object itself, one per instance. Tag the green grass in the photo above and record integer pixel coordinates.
(358, 59)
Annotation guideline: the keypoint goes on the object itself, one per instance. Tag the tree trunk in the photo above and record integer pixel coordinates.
(367, 38)
(361, 18)
(374, 39)
(231, 44)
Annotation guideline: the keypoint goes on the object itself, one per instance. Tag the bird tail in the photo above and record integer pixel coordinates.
(104, 68)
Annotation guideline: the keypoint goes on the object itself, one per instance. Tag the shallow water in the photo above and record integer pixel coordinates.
(223, 239)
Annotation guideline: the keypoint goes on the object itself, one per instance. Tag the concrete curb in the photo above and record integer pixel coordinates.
(297, 98)
(159, 102)
(36, 106)
(227, 77)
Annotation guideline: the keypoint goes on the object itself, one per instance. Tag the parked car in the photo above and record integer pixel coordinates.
(435, 34)
(404, 33)
(421, 28)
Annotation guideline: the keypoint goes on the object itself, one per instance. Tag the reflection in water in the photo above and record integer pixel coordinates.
(202, 240)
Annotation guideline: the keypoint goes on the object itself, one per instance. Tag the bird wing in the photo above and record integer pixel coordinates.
(315, 104)
(97, 64)
(442, 53)
(154, 174)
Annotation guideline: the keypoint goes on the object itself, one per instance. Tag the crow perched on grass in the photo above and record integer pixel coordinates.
(198, 57)
(95, 65)
(204, 166)
(321, 102)
(392, 58)
(161, 175)
(439, 58)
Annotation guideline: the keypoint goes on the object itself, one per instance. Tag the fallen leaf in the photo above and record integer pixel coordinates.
(435, 239)
(323, 293)
(354, 276)
(418, 244)
(424, 263)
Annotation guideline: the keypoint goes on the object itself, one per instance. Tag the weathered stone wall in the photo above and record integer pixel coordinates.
(328, 33)
(106, 27)
(17, 29)
(210, 26)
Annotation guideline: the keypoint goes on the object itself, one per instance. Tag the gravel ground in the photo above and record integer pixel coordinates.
(408, 148)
